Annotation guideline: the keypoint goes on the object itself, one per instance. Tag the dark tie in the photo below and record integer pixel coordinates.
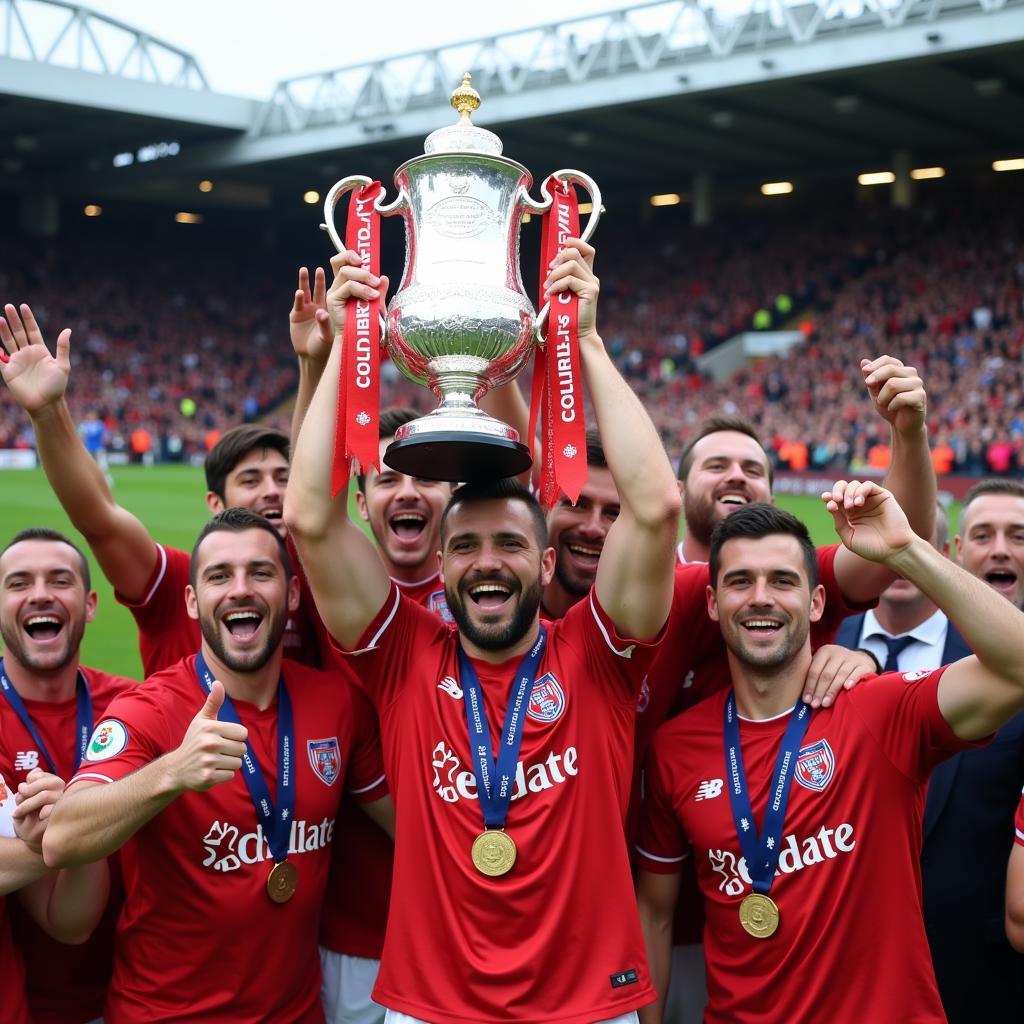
(895, 646)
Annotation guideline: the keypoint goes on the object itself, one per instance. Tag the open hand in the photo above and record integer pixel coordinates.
(35, 378)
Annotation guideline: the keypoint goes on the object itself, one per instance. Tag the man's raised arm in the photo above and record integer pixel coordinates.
(344, 570)
(37, 381)
(976, 694)
(898, 395)
(635, 573)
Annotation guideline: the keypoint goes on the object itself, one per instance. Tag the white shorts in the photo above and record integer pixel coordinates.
(688, 990)
(394, 1017)
(346, 987)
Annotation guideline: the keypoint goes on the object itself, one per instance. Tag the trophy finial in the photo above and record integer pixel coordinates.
(465, 99)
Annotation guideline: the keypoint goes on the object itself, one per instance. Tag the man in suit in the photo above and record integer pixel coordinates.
(968, 821)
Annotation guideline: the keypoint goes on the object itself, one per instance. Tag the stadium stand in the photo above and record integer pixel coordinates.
(203, 318)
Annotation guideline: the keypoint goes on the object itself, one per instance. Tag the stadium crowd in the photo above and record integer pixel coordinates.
(941, 287)
(795, 743)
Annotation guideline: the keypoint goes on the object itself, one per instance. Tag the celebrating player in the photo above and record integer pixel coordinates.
(49, 704)
(974, 793)
(225, 870)
(490, 879)
(806, 826)
(1015, 883)
(247, 468)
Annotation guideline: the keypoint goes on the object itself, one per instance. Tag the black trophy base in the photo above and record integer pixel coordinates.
(458, 456)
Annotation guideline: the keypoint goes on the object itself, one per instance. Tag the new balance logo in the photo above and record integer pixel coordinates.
(709, 790)
(26, 760)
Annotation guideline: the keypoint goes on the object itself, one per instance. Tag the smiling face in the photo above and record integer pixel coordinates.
(763, 601)
(728, 470)
(404, 513)
(494, 571)
(577, 532)
(258, 483)
(991, 543)
(242, 597)
(44, 605)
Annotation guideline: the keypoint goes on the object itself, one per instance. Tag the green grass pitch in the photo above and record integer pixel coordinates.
(170, 501)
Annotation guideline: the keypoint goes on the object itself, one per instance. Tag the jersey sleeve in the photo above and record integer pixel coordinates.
(365, 772)
(385, 655)
(661, 844)
(160, 613)
(837, 607)
(1018, 823)
(132, 733)
(616, 664)
(901, 711)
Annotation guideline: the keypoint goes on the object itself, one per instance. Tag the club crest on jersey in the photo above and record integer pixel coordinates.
(438, 604)
(815, 766)
(547, 699)
(325, 759)
(108, 739)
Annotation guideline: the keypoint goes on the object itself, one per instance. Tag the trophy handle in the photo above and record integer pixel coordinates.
(576, 178)
(339, 188)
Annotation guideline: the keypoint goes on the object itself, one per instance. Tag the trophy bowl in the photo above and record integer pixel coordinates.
(460, 322)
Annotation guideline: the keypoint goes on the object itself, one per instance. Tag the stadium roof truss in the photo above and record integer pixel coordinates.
(60, 52)
(636, 54)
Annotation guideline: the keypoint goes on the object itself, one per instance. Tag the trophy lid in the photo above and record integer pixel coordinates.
(464, 136)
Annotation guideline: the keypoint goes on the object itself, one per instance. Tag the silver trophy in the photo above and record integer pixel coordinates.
(460, 322)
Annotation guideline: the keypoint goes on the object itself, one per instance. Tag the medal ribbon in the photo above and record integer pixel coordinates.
(276, 821)
(495, 780)
(83, 717)
(557, 392)
(762, 852)
(356, 425)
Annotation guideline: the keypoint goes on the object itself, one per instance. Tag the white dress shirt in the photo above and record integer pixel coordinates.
(925, 653)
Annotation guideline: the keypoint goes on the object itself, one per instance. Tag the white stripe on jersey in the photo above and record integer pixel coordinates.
(366, 789)
(94, 776)
(159, 577)
(375, 639)
(627, 651)
(661, 860)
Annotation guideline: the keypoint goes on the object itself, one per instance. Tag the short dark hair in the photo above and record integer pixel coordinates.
(994, 485)
(508, 489)
(759, 519)
(234, 445)
(238, 520)
(390, 420)
(715, 425)
(45, 533)
(595, 450)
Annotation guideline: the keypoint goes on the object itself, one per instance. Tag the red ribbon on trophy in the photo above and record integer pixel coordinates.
(557, 392)
(356, 427)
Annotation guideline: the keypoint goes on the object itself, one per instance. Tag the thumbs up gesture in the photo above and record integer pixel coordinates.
(211, 751)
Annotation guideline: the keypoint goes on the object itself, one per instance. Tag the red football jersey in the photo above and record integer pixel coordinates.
(13, 1007)
(558, 938)
(199, 938)
(167, 634)
(84, 971)
(851, 944)
(355, 914)
(1018, 823)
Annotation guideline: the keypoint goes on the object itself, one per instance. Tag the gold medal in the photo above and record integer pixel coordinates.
(759, 915)
(282, 881)
(494, 853)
